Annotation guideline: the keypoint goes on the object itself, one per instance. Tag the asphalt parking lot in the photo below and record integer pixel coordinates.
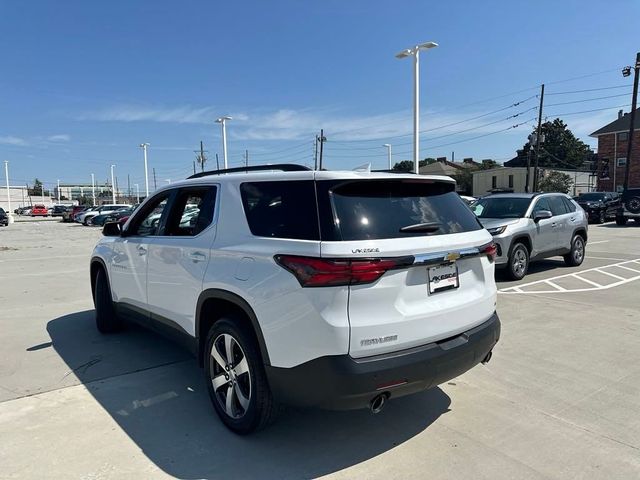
(560, 398)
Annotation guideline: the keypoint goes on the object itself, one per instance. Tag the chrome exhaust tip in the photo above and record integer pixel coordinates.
(378, 403)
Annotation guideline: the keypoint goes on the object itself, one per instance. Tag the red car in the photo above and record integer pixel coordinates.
(39, 211)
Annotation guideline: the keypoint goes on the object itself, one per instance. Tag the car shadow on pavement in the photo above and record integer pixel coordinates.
(156, 393)
(538, 266)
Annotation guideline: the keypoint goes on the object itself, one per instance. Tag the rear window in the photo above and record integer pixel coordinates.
(378, 209)
(281, 209)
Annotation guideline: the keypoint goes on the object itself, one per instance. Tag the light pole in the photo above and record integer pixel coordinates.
(113, 186)
(146, 170)
(137, 193)
(93, 188)
(223, 122)
(388, 145)
(6, 176)
(58, 190)
(415, 52)
(42, 186)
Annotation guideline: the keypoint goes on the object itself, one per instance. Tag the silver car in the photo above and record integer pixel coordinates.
(533, 226)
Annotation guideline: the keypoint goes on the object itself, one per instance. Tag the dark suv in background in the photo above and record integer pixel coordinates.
(4, 218)
(601, 206)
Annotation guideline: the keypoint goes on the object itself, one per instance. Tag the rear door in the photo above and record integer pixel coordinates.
(545, 237)
(563, 220)
(448, 286)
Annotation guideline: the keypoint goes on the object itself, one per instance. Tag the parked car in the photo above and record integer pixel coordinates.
(4, 218)
(69, 215)
(601, 206)
(327, 289)
(629, 207)
(39, 211)
(59, 210)
(86, 216)
(532, 226)
(100, 220)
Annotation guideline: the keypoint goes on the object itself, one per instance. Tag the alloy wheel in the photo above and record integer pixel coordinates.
(519, 262)
(578, 250)
(230, 375)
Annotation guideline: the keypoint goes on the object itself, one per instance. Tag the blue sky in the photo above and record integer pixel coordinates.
(83, 83)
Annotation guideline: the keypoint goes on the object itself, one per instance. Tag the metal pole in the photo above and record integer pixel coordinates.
(321, 144)
(315, 157)
(416, 111)
(6, 176)
(202, 160)
(224, 143)
(146, 169)
(93, 188)
(58, 191)
(388, 145)
(137, 193)
(538, 135)
(246, 158)
(632, 121)
(615, 161)
(113, 186)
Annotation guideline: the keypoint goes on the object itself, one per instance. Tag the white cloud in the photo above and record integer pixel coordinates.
(11, 140)
(130, 113)
(59, 138)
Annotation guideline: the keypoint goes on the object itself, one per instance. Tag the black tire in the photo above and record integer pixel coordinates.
(518, 262)
(107, 320)
(633, 204)
(576, 256)
(261, 409)
(602, 217)
(621, 221)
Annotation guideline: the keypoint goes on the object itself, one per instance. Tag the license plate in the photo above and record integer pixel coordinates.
(443, 277)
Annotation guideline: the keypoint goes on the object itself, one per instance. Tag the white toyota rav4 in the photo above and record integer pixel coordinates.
(330, 289)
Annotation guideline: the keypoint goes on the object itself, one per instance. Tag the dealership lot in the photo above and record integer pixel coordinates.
(558, 400)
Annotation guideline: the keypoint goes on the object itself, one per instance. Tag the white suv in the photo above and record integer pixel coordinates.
(331, 289)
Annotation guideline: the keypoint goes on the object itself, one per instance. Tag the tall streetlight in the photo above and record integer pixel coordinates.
(388, 145)
(137, 193)
(415, 52)
(93, 188)
(6, 176)
(146, 170)
(223, 122)
(113, 186)
(58, 190)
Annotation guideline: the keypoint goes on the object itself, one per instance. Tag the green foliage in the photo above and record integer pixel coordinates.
(560, 149)
(407, 165)
(555, 182)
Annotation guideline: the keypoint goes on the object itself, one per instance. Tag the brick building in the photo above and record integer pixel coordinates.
(612, 153)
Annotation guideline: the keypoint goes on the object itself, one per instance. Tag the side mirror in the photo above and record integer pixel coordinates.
(541, 215)
(111, 229)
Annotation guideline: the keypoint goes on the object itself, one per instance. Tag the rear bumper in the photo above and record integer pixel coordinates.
(342, 383)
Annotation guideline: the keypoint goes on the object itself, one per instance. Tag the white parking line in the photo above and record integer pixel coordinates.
(522, 289)
(599, 241)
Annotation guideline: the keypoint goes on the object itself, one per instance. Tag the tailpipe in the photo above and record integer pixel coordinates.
(486, 359)
(378, 403)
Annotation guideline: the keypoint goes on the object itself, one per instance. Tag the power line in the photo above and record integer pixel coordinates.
(588, 111)
(588, 100)
(589, 90)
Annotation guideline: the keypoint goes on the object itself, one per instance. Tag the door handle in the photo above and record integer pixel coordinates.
(141, 250)
(197, 256)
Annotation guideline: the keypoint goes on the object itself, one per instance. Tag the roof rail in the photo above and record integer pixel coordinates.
(283, 167)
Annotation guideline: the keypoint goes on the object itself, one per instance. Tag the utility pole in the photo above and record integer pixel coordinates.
(113, 185)
(528, 177)
(217, 162)
(538, 138)
(632, 121)
(6, 176)
(315, 157)
(321, 139)
(137, 193)
(200, 158)
(93, 188)
(246, 158)
(194, 167)
(128, 188)
(155, 184)
(146, 170)
(117, 191)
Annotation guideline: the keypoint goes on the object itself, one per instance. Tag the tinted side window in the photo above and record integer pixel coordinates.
(148, 221)
(192, 211)
(281, 209)
(542, 204)
(569, 205)
(557, 205)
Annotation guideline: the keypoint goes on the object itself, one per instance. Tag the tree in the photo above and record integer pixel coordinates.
(560, 149)
(407, 165)
(555, 182)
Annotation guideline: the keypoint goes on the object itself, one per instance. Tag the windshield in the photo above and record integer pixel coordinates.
(590, 197)
(501, 207)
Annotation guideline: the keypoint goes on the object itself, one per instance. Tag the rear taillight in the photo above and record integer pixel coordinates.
(490, 250)
(325, 272)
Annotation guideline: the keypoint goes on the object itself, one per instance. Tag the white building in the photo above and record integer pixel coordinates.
(19, 196)
(514, 179)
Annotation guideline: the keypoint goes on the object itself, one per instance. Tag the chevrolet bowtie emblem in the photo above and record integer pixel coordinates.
(451, 257)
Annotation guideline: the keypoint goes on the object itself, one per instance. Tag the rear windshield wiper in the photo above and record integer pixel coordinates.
(422, 227)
